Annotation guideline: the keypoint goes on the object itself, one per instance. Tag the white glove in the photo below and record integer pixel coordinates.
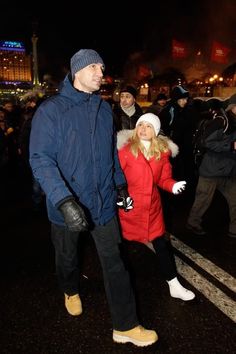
(125, 203)
(179, 187)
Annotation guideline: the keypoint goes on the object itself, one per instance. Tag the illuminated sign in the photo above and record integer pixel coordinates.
(12, 45)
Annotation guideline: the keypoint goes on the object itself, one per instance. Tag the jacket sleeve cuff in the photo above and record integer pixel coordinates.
(64, 200)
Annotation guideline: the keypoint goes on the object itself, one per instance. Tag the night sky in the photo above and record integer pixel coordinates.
(133, 28)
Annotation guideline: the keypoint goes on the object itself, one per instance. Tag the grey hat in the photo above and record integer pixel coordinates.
(83, 58)
(231, 103)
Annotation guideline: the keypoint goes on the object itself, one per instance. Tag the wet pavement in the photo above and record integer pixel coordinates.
(33, 317)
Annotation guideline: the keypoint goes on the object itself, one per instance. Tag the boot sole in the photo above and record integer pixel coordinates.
(124, 339)
(177, 297)
(74, 314)
(195, 231)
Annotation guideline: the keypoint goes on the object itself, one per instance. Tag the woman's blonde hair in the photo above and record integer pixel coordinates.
(158, 145)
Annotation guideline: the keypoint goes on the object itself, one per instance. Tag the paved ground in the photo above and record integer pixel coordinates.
(32, 314)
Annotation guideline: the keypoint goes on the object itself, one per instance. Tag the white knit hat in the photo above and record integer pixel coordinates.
(152, 119)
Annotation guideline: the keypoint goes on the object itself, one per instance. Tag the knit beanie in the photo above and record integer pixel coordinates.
(231, 103)
(179, 92)
(130, 89)
(152, 119)
(161, 96)
(83, 58)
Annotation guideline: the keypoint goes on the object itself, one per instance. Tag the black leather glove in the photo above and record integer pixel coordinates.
(74, 216)
(124, 201)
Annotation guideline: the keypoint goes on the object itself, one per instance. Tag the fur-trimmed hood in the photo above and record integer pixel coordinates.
(123, 137)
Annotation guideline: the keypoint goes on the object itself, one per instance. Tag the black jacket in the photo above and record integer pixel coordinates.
(122, 120)
(219, 159)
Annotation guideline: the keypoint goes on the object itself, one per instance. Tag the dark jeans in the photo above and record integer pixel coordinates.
(117, 284)
(165, 257)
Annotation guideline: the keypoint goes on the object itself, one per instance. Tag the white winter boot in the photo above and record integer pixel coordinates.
(178, 291)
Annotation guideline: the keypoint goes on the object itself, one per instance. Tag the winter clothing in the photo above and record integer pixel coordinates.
(231, 103)
(138, 336)
(179, 124)
(152, 119)
(73, 304)
(129, 89)
(83, 58)
(179, 92)
(145, 222)
(217, 170)
(161, 96)
(178, 291)
(156, 107)
(74, 216)
(116, 278)
(219, 160)
(179, 187)
(74, 157)
(123, 120)
(53, 131)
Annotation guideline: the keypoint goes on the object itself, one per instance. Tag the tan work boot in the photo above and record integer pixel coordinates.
(137, 335)
(73, 304)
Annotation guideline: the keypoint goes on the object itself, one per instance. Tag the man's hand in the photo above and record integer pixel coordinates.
(74, 216)
(124, 201)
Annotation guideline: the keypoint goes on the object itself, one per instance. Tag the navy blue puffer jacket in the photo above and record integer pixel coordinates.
(73, 153)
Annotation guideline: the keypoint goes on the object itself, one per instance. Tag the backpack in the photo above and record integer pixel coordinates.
(199, 136)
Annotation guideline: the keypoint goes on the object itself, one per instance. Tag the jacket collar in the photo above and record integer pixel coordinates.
(67, 89)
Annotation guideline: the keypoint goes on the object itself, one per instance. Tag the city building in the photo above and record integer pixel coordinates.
(15, 70)
(15, 64)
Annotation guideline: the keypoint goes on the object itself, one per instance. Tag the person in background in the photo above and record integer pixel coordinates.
(178, 123)
(28, 111)
(217, 170)
(4, 133)
(158, 104)
(12, 121)
(73, 155)
(12, 114)
(127, 111)
(144, 158)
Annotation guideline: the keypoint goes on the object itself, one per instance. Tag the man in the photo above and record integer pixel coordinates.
(217, 170)
(73, 156)
(127, 111)
(177, 122)
(158, 104)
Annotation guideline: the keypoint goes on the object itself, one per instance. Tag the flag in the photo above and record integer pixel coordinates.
(219, 53)
(179, 49)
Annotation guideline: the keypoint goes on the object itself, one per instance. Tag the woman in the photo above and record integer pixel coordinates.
(144, 158)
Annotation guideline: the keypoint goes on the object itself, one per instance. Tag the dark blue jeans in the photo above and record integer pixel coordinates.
(117, 284)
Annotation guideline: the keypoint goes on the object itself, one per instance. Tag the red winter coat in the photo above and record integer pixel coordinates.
(145, 221)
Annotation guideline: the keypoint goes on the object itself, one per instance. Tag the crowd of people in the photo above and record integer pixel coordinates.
(117, 172)
(15, 128)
